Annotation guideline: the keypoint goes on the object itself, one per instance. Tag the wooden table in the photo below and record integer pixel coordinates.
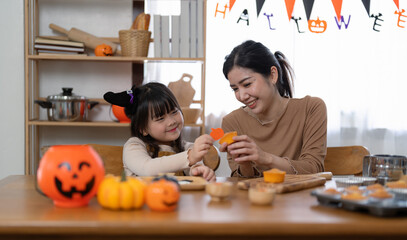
(26, 214)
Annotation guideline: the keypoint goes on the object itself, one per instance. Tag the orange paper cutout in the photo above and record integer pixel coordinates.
(290, 7)
(338, 8)
(217, 133)
(231, 3)
(397, 3)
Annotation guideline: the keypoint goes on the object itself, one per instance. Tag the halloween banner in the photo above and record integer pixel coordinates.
(315, 24)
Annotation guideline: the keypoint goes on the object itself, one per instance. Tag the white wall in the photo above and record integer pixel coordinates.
(12, 87)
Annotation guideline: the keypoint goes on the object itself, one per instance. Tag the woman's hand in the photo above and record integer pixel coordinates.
(204, 172)
(200, 148)
(245, 150)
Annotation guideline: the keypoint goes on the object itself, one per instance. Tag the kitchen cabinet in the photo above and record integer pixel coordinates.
(38, 67)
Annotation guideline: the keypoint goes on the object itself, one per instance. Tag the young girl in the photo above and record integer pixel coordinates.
(156, 124)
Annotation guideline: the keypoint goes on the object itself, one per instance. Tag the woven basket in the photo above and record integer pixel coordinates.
(134, 43)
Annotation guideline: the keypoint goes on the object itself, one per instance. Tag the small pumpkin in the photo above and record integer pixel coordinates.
(70, 174)
(121, 193)
(162, 194)
(103, 50)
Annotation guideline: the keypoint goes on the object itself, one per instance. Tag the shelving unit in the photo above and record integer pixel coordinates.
(33, 123)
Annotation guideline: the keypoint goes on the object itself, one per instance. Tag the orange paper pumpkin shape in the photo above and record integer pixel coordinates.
(162, 194)
(70, 174)
(317, 26)
(217, 133)
(103, 50)
(227, 138)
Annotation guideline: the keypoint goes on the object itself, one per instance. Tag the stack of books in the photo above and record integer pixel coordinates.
(45, 46)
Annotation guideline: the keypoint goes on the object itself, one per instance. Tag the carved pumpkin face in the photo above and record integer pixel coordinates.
(103, 50)
(317, 26)
(162, 194)
(70, 174)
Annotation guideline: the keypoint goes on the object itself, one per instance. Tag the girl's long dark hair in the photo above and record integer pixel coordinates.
(257, 57)
(142, 104)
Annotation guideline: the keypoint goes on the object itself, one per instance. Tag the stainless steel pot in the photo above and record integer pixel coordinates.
(385, 168)
(67, 106)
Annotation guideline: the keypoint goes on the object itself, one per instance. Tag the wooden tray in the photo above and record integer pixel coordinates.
(291, 183)
(185, 182)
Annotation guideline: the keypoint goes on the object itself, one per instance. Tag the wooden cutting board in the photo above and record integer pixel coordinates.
(291, 183)
(183, 90)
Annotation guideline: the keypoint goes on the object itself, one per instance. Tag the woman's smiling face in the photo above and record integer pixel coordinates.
(251, 89)
(167, 128)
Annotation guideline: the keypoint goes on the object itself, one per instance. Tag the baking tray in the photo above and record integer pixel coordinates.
(390, 207)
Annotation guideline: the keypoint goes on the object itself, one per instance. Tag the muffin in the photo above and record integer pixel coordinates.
(274, 176)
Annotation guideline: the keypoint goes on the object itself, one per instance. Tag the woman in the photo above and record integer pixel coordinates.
(274, 129)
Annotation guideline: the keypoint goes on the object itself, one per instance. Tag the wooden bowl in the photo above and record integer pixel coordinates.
(261, 194)
(219, 191)
(191, 115)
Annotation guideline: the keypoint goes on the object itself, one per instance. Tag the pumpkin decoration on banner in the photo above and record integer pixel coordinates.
(317, 26)
(162, 194)
(103, 50)
(121, 193)
(70, 174)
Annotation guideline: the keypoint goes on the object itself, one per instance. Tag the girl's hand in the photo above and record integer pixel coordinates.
(201, 147)
(245, 150)
(204, 172)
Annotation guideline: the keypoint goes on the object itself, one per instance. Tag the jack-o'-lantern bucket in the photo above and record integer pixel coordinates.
(70, 174)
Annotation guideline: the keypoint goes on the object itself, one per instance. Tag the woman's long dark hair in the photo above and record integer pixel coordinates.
(257, 57)
(142, 104)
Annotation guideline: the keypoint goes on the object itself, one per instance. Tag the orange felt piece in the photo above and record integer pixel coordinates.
(274, 176)
(228, 138)
(217, 133)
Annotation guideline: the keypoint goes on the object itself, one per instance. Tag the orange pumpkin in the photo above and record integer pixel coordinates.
(162, 194)
(121, 193)
(103, 50)
(70, 174)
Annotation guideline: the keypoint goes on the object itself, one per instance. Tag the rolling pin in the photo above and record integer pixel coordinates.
(88, 39)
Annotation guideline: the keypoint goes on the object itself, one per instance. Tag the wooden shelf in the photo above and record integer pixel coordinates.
(113, 59)
(87, 124)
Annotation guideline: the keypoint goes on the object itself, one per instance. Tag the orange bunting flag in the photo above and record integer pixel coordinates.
(231, 3)
(397, 4)
(289, 4)
(338, 7)
(217, 133)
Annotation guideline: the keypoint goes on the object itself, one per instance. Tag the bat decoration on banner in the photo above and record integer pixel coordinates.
(376, 19)
(296, 22)
(244, 17)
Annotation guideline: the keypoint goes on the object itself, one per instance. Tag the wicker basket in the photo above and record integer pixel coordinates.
(134, 43)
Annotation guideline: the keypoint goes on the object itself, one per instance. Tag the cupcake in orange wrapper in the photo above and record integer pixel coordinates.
(356, 196)
(274, 176)
(227, 138)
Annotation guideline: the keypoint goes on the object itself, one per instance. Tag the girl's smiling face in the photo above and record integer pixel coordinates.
(253, 89)
(166, 128)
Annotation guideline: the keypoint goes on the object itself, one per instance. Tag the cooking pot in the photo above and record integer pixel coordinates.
(385, 168)
(67, 106)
